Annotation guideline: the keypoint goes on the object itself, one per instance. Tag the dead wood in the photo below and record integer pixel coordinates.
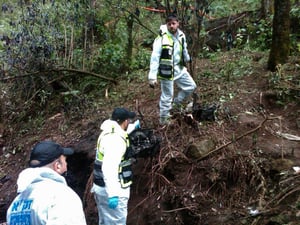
(227, 26)
(239, 137)
(76, 71)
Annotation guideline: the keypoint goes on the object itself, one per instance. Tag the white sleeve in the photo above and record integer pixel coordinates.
(155, 58)
(186, 55)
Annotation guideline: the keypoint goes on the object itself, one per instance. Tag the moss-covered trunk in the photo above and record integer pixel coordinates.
(266, 7)
(280, 47)
(129, 47)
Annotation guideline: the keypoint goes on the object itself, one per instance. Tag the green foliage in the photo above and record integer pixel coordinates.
(241, 38)
(255, 35)
(43, 97)
(206, 53)
(295, 12)
(295, 38)
(41, 32)
(88, 85)
(110, 58)
(233, 69)
(261, 37)
(286, 87)
(235, 66)
(75, 34)
(295, 44)
(141, 59)
(43, 37)
(226, 7)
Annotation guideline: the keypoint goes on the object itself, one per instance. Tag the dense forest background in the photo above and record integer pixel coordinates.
(77, 47)
(66, 64)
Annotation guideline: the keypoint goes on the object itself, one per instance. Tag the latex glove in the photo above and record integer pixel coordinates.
(137, 124)
(133, 126)
(152, 83)
(113, 202)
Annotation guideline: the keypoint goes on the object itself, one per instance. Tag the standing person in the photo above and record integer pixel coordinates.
(168, 60)
(43, 194)
(112, 171)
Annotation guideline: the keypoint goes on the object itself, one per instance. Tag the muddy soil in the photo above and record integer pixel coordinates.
(246, 175)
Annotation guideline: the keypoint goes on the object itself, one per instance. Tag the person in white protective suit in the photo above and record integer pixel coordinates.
(167, 63)
(112, 170)
(43, 194)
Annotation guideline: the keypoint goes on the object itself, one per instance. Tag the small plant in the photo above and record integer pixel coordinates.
(236, 68)
(283, 85)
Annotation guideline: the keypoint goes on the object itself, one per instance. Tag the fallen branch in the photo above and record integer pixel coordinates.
(239, 137)
(226, 24)
(286, 192)
(179, 209)
(60, 70)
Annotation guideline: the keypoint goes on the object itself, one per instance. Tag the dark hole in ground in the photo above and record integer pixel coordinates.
(79, 170)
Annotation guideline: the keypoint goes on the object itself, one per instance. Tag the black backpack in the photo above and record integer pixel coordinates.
(143, 144)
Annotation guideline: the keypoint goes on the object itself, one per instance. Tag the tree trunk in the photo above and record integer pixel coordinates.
(266, 7)
(280, 47)
(129, 47)
(199, 11)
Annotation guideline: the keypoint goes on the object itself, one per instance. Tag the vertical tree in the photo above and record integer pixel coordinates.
(200, 8)
(129, 46)
(280, 47)
(266, 7)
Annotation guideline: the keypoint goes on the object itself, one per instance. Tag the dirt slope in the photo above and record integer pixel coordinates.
(246, 178)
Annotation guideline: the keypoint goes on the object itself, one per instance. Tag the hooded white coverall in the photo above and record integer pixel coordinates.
(113, 147)
(44, 198)
(182, 78)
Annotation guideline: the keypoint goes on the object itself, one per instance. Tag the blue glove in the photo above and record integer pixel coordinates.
(113, 202)
(137, 124)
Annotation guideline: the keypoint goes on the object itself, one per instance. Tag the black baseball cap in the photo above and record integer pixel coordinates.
(46, 152)
(121, 114)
